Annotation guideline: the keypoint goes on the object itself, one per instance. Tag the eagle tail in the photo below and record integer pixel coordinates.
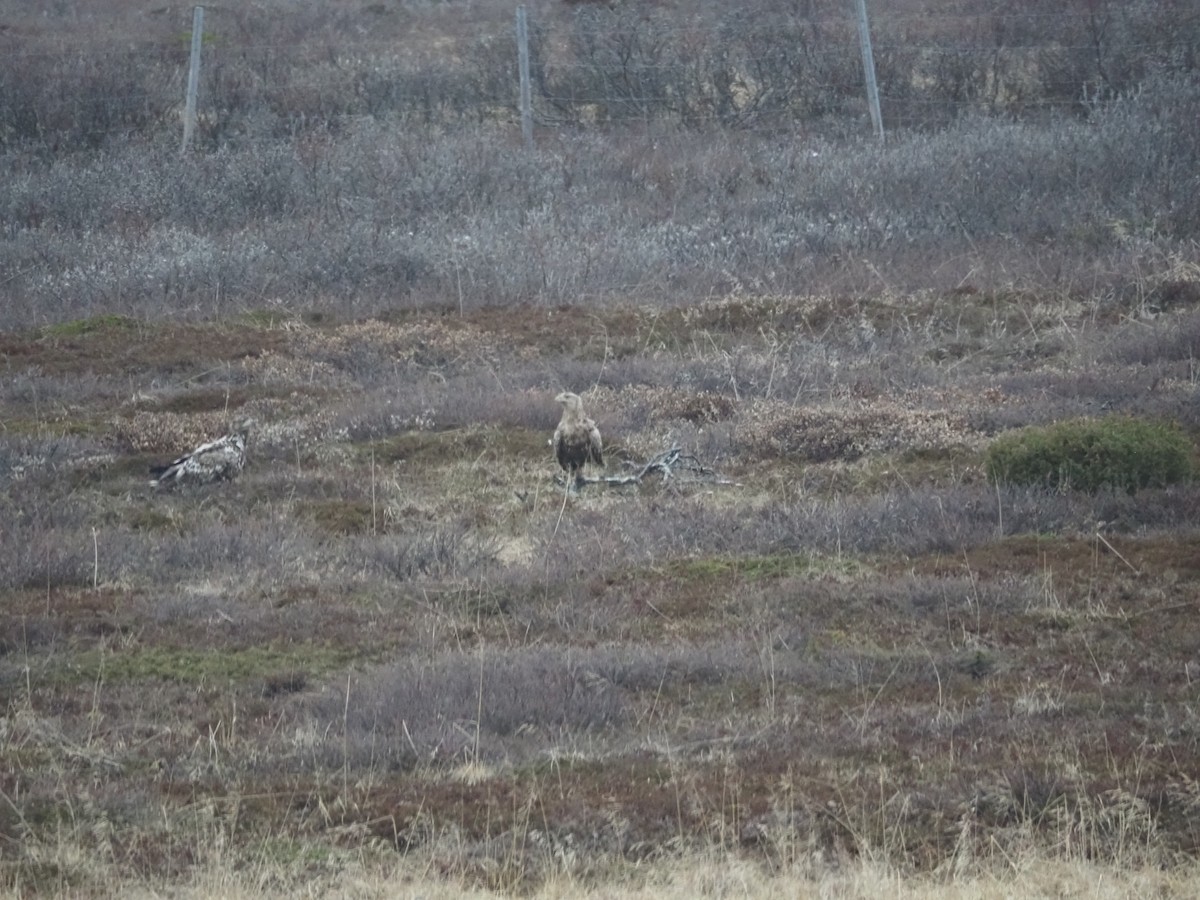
(164, 474)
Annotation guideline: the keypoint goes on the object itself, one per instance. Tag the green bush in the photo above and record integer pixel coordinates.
(1090, 454)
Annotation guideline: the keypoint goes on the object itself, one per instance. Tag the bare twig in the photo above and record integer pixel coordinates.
(670, 464)
(1116, 552)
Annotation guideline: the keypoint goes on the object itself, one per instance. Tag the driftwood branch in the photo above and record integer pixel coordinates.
(673, 465)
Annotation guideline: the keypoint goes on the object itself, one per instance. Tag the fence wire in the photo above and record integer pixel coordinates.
(86, 80)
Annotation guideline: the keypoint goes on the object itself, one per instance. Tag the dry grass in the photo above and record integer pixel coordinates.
(394, 654)
(395, 657)
(340, 874)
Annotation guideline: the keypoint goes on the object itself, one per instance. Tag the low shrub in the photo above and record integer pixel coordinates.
(817, 434)
(1118, 452)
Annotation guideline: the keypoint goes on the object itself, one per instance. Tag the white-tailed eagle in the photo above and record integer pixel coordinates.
(219, 460)
(576, 439)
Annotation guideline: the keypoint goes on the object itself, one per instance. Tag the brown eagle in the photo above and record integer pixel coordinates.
(576, 439)
(219, 460)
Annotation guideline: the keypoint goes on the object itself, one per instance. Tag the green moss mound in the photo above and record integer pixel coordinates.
(1123, 453)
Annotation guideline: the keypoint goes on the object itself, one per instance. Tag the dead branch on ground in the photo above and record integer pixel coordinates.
(673, 465)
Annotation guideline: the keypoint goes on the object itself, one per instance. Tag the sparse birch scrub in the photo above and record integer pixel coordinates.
(888, 586)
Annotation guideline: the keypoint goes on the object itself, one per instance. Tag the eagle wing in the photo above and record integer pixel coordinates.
(211, 461)
(564, 447)
(222, 458)
(595, 446)
(578, 444)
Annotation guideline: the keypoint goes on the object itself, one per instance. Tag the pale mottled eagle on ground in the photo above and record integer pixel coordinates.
(219, 460)
(576, 439)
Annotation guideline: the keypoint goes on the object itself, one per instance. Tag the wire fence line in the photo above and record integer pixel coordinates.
(64, 52)
(590, 66)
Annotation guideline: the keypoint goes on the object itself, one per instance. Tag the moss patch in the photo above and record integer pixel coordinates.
(437, 448)
(343, 516)
(203, 666)
(756, 568)
(92, 325)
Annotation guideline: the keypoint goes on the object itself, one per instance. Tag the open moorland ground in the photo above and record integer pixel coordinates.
(823, 655)
(396, 642)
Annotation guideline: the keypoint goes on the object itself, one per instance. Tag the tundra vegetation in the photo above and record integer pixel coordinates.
(938, 637)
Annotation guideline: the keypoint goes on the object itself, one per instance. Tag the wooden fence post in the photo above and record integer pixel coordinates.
(193, 84)
(523, 68)
(868, 57)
